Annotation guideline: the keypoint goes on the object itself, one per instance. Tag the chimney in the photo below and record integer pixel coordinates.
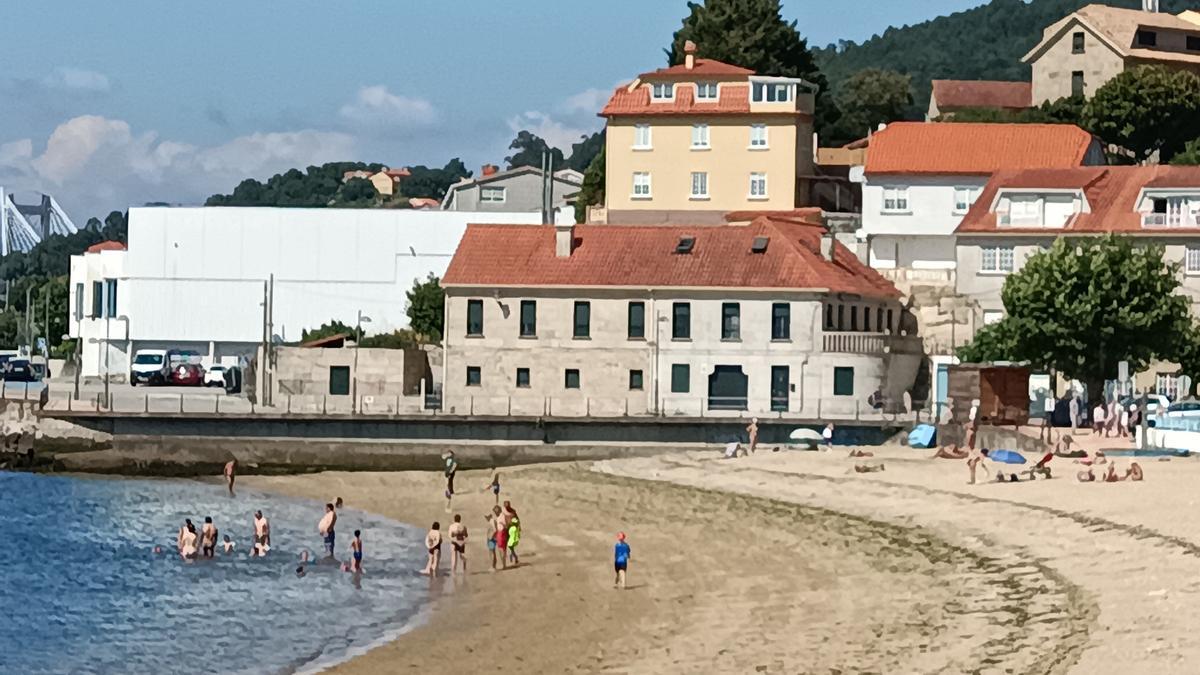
(564, 239)
(489, 169)
(1150, 5)
(689, 54)
(827, 245)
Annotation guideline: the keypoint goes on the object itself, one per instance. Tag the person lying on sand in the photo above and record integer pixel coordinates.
(1134, 473)
(868, 468)
(861, 453)
(733, 450)
(1063, 449)
(1086, 476)
(951, 452)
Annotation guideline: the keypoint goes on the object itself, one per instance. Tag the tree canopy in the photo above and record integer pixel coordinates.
(426, 307)
(592, 191)
(317, 186)
(1067, 110)
(530, 149)
(1084, 305)
(586, 150)
(433, 182)
(871, 97)
(1147, 109)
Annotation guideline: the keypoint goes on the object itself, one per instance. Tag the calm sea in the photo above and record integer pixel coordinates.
(82, 592)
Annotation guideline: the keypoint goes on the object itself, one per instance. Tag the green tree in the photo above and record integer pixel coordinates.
(433, 182)
(583, 152)
(1067, 110)
(592, 191)
(1147, 109)
(752, 34)
(869, 98)
(530, 149)
(1190, 156)
(356, 192)
(1084, 305)
(426, 307)
(333, 327)
(401, 339)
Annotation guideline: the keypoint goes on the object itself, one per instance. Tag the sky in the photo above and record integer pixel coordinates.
(108, 105)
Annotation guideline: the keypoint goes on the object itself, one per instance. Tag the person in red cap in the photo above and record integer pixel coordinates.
(620, 560)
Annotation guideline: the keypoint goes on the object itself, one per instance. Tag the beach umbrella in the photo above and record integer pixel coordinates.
(807, 437)
(1006, 457)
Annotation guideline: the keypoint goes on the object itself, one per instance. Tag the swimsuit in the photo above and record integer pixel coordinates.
(329, 542)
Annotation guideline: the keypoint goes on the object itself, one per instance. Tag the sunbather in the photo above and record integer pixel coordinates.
(868, 468)
(1086, 476)
(861, 453)
(1110, 476)
(951, 452)
(1134, 472)
(1063, 449)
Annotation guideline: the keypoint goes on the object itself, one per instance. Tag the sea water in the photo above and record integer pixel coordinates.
(82, 592)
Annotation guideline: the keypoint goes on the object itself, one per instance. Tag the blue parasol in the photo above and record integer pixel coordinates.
(1006, 457)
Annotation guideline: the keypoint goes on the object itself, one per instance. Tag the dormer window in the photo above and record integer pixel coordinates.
(1051, 210)
(1147, 38)
(662, 91)
(706, 91)
(1172, 211)
(772, 92)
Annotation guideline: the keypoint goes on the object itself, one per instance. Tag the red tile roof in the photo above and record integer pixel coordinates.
(1111, 192)
(952, 94)
(106, 246)
(950, 148)
(703, 68)
(644, 256)
(398, 173)
(734, 99)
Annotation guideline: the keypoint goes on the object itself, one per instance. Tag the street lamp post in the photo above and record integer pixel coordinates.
(107, 349)
(357, 338)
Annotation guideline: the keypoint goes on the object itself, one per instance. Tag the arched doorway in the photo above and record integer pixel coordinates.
(727, 388)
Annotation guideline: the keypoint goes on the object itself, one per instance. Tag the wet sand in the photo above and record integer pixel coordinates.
(778, 563)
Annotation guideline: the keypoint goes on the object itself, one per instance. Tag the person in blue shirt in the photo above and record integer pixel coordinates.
(620, 560)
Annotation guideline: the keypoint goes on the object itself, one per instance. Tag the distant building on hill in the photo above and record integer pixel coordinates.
(1090, 46)
(517, 190)
(951, 96)
(694, 141)
(387, 182)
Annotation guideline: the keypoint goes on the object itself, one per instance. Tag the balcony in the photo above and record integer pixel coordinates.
(870, 343)
(1166, 220)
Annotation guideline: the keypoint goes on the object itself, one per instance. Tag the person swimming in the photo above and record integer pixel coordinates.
(228, 545)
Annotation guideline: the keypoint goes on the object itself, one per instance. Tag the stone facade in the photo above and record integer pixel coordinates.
(385, 380)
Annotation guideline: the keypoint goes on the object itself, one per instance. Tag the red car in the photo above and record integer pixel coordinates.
(186, 375)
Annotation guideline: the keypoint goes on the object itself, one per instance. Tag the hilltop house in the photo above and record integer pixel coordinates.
(770, 316)
(387, 182)
(951, 96)
(921, 178)
(1090, 46)
(694, 141)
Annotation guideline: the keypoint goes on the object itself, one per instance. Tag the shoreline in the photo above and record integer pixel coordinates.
(705, 592)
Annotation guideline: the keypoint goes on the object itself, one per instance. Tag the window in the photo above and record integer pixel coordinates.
(991, 316)
(1077, 83)
(699, 185)
(706, 91)
(522, 378)
(1077, 43)
(890, 327)
(475, 317)
(841, 317)
(529, 318)
(843, 381)
(571, 378)
(781, 321)
(635, 380)
(110, 297)
(641, 185)
(1192, 260)
(879, 320)
(829, 325)
(895, 200)
(662, 91)
(79, 301)
(771, 92)
(996, 259)
(867, 319)
(681, 378)
(681, 321)
(339, 380)
(758, 186)
(97, 299)
(1024, 211)
(641, 137)
(1193, 43)
(700, 137)
(1166, 384)
(583, 319)
(731, 321)
(853, 317)
(474, 376)
(1147, 38)
(964, 197)
(758, 136)
(493, 195)
(637, 321)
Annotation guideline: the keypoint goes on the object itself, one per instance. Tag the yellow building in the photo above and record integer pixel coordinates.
(695, 141)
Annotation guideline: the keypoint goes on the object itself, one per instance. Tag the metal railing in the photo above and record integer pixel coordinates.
(1178, 219)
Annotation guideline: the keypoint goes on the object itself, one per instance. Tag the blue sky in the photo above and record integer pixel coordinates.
(108, 104)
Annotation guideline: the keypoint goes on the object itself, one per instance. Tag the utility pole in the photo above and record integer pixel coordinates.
(270, 395)
(262, 365)
(29, 319)
(46, 330)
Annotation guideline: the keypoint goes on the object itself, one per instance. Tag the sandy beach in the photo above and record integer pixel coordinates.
(791, 562)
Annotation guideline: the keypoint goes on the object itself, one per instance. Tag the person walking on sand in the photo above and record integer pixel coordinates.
(433, 544)
(501, 535)
(1073, 410)
(972, 424)
(451, 468)
(491, 540)
(621, 555)
(230, 473)
(827, 435)
(973, 463)
(494, 484)
(326, 529)
(458, 544)
(208, 538)
(1123, 422)
(356, 552)
(514, 533)
(752, 431)
(1098, 419)
(262, 533)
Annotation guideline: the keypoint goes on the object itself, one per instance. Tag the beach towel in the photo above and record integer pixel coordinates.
(922, 436)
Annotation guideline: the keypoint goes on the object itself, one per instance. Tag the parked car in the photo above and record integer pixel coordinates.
(20, 370)
(215, 376)
(1153, 402)
(1184, 409)
(185, 375)
(148, 367)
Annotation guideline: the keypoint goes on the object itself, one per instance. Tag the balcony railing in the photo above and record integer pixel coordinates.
(870, 343)
(1170, 220)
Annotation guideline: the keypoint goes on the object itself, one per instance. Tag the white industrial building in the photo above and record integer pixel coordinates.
(196, 278)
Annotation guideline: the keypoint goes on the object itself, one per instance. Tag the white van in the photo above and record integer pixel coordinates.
(148, 367)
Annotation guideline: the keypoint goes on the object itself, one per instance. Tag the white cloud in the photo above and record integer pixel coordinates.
(378, 107)
(93, 164)
(76, 79)
(590, 101)
(558, 134)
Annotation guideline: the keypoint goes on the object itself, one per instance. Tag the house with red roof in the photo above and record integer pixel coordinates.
(951, 96)
(920, 179)
(693, 141)
(765, 316)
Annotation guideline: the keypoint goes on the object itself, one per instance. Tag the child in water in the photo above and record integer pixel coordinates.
(356, 552)
(227, 545)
